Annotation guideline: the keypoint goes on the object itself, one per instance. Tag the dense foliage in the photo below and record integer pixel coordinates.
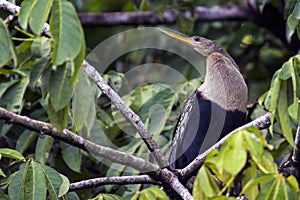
(41, 77)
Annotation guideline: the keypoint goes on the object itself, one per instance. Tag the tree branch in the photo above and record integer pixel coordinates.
(261, 123)
(292, 165)
(127, 112)
(296, 152)
(69, 137)
(96, 182)
(215, 13)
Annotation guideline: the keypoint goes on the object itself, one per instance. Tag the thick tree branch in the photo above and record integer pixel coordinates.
(215, 13)
(261, 123)
(69, 137)
(96, 182)
(127, 112)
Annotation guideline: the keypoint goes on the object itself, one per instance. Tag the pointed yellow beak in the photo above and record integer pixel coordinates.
(186, 40)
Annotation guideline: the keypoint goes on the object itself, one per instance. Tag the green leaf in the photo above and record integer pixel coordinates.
(37, 69)
(236, 156)
(157, 109)
(1, 173)
(64, 187)
(40, 47)
(25, 139)
(104, 117)
(283, 115)
(11, 153)
(285, 71)
(158, 7)
(59, 119)
(3, 196)
(34, 12)
(266, 163)
(294, 108)
(17, 94)
(150, 193)
(185, 23)
(5, 86)
(274, 100)
(71, 196)
(257, 180)
(292, 24)
(296, 11)
(83, 99)
(71, 156)
(293, 182)
(35, 183)
(16, 185)
(60, 87)
(66, 30)
(78, 62)
(43, 148)
(28, 183)
(53, 180)
(107, 197)
(250, 173)
(7, 47)
(205, 182)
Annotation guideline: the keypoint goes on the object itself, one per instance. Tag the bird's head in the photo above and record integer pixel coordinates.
(200, 44)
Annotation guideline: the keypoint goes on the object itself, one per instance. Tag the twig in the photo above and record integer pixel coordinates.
(296, 152)
(69, 137)
(96, 182)
(292, 165)
(261, 123)
(215, 13)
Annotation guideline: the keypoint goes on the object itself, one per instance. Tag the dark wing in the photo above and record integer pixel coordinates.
(199, 118)
(184, 131)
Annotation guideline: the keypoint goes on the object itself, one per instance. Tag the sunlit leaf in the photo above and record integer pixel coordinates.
(236, 156)
(11, 153)
(150, 193)
(293, 182)
(107, 197)
(205, 182)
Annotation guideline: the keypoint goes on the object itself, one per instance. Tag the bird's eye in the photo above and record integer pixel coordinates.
(196, 38)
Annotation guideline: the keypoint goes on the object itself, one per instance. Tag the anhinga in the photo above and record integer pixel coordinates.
(216, 108)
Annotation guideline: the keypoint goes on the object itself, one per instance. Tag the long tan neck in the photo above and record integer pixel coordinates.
(224, 84)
